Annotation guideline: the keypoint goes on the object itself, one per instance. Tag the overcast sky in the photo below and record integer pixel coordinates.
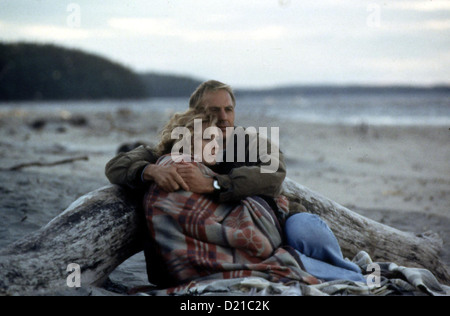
(250, 43)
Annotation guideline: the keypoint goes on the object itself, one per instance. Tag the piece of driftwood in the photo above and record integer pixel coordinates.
(103, 228)
(45, 164)
(98, 231)
(383, 243)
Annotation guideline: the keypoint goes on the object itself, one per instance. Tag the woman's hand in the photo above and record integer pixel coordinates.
(194, 178)
(166, 177)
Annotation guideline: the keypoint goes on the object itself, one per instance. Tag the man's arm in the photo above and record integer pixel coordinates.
(126, 168)
(249, 180)
(137, 168)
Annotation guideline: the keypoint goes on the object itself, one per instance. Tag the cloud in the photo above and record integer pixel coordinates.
(403, 64)
(414, 27)
(45, 32)
(49, 32)
(169, 27)
(437, 25)
(262, 33)
(250, 42)
(410, 70)
(424, 6)
(146, 26)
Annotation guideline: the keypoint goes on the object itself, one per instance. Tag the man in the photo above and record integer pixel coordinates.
(235, 179)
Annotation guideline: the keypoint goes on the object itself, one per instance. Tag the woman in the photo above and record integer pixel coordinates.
(200, 239)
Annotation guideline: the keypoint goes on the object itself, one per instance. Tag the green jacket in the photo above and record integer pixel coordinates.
(237, 179)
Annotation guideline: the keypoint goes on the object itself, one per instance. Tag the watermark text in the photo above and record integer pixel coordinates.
(241, 145)
(74, 278)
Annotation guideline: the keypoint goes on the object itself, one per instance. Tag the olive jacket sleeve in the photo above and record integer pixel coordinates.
(126, 168)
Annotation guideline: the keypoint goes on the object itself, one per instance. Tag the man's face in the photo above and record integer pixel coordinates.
(220, 104)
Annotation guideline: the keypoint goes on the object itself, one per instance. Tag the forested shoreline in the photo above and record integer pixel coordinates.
(36, 72)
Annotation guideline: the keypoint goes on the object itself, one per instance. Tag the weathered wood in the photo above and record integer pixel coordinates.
(44, 164)
(103, 228)
(98, 231)
(383, 243)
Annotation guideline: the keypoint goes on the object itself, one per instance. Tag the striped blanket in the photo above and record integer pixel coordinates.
(394, 281)
(200, 239)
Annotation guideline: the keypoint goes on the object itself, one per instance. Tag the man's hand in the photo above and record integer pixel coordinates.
(194, 178)
(166, 177)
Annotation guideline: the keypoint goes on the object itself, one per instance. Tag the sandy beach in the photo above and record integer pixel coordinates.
(399, 176)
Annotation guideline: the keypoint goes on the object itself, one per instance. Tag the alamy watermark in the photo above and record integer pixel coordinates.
(74, 278)
(74, 18)
(236, 149)
(373, 20)
(373, 280)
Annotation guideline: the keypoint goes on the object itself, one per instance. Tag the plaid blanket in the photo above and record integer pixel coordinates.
(200, 239)
(394, 281)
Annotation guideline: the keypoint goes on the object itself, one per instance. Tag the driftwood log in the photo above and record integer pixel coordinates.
(98, 232)
(382, 242)
(44, 164)
(103, 228)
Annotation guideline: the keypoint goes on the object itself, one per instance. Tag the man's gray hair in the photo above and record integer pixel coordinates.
(208, 86)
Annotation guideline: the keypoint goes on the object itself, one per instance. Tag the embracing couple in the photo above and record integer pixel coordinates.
(212, 217)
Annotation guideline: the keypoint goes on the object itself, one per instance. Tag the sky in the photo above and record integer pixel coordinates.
(250, 43)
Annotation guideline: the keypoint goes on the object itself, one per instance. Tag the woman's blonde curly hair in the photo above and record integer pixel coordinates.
(185, 119)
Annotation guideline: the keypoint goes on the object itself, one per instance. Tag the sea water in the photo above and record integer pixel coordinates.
(394, 108)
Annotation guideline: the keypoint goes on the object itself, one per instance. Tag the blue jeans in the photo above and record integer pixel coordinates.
(319, 249)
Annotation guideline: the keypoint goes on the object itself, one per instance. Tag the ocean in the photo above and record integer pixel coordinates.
(391, 109)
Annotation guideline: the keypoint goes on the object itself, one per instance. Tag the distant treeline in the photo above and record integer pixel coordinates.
(161, 85)
(48, 72)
